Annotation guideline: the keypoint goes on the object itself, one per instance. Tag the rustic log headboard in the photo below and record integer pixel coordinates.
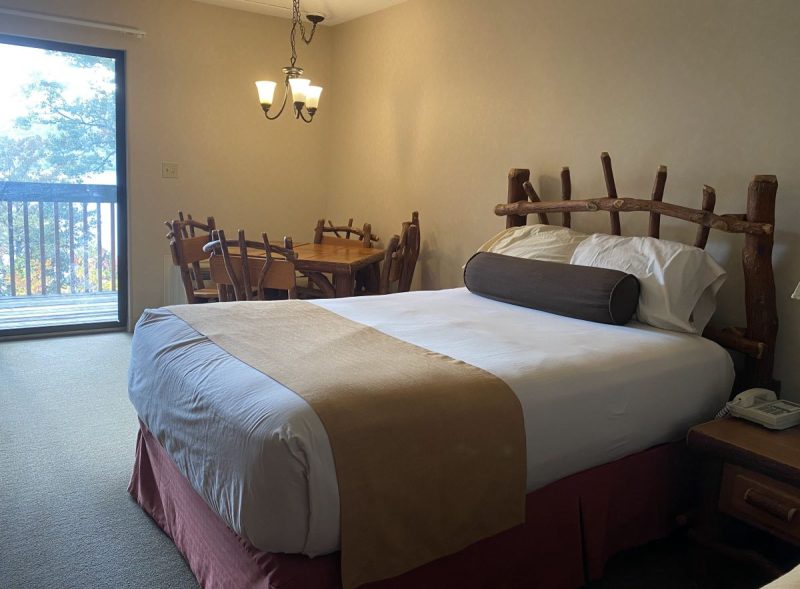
(757, 340)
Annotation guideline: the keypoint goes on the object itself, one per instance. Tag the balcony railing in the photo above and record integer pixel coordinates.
(57, 239)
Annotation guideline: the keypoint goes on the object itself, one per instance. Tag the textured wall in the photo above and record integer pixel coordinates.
(435, 101)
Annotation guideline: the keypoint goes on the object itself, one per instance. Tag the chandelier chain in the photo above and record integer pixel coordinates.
(297, 20)
(302, 28)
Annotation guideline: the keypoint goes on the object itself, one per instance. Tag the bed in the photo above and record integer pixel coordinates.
(790, 580)
(239, 470)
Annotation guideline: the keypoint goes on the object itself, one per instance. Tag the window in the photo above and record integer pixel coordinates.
(62, 187)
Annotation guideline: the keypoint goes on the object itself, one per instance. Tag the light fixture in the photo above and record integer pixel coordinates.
(305, 97)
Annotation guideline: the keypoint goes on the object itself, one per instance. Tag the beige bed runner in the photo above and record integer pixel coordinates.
(429, 451)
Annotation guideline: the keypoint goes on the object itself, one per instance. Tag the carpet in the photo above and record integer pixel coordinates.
(67, 436)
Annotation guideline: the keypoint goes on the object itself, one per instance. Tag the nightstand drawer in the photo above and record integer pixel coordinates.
(761, 501)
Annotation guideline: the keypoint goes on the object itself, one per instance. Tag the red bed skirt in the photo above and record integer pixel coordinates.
(573, 526)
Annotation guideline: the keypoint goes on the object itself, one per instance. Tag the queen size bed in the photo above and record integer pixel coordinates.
(238, 468)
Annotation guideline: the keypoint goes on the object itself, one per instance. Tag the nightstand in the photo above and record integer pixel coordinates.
(754, 476)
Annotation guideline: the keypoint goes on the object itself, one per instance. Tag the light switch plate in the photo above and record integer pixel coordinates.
(169, 170)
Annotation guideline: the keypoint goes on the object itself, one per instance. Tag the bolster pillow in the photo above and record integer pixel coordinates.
(583, 292)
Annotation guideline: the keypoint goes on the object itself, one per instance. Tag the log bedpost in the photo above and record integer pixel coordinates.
(611, 190)
(657, 195)
(759, 281)
(709, 202)
(534, 196)
(516, 192)
(566, 194)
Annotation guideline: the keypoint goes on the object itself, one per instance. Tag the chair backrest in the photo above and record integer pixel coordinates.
(188, 225)
(246, 274)
(401, 257)
(186, 247)
(344, 234)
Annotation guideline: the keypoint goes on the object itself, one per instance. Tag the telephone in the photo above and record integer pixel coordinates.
(761, 406)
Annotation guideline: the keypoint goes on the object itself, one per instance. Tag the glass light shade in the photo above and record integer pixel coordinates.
(266, 92)
(796, 294)
(312, 96)
(299, 87)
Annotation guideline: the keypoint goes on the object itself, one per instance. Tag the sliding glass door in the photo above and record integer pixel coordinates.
(62, 187)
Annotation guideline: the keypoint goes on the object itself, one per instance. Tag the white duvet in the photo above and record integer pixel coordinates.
(258, 454)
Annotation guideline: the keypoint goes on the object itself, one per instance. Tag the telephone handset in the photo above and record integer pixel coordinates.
(753, 397)
(762, 406)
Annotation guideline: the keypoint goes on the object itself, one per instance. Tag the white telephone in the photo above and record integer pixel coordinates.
(761, 406)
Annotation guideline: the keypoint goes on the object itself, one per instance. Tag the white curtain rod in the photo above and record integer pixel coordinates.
(74, 21)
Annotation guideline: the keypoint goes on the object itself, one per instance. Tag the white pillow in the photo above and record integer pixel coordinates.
(536, 242)
(679, 283)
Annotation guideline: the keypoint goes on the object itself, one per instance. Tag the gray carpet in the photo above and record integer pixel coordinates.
(67, 434)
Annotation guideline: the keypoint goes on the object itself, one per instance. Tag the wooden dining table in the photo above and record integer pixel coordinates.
(341, 261)
(315, 260)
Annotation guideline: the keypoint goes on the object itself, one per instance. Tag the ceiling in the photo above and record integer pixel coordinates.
(335, 11)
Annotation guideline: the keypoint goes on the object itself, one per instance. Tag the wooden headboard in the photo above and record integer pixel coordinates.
(757, 340)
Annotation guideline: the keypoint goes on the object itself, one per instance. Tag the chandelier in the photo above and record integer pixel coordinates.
(305, 97)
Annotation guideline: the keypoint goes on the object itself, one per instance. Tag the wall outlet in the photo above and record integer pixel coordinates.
(169, 170)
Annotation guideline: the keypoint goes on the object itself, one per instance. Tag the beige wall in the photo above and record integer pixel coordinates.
(191, 100)
(435, 101)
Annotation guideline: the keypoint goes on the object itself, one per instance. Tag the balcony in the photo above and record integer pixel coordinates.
(58, 255)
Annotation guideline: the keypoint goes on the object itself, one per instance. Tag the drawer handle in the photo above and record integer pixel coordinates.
(769, 505)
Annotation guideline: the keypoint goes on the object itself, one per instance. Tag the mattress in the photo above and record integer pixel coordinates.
(259, 456)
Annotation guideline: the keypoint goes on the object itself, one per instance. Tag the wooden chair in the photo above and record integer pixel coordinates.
(400, 259)
(186, 247)
(351, 234)
(244, 277)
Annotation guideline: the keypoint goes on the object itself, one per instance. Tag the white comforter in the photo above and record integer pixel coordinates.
(260, 457)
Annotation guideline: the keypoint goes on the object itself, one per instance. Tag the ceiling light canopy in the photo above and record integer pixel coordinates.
(305, 97)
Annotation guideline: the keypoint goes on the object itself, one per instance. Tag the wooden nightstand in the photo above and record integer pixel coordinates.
(754, 476)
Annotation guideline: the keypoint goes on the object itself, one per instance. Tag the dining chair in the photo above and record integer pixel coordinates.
(400, 260)
(344, 234)
(249, 275)
(186, 240)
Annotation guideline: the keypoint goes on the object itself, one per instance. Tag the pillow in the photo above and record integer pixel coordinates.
(536, 242)
(593, 294)
(679, 282)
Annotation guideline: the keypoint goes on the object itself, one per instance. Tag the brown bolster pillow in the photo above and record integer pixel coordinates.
(583, 292)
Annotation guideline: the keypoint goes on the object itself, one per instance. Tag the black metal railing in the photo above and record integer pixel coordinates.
(57, 239)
